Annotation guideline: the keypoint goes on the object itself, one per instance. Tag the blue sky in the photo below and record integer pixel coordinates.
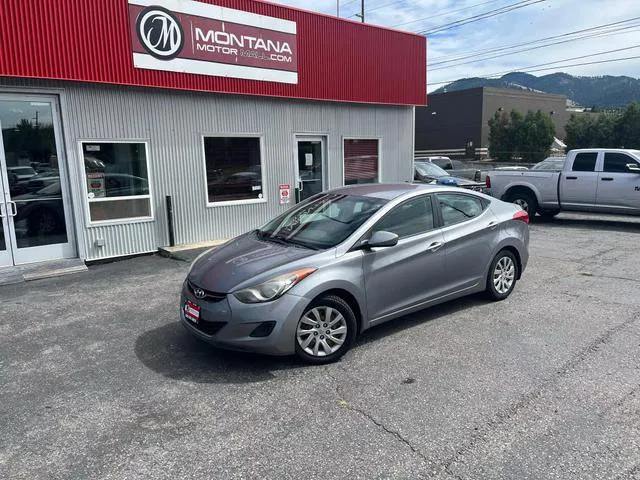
(544, 19)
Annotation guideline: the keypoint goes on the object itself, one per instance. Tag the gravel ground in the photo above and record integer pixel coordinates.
(99, 381)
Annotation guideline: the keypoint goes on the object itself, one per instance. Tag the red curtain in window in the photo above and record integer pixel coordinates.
(360, 161)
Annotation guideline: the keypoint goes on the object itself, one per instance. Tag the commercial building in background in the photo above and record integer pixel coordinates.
(457, 123)
(234, 109)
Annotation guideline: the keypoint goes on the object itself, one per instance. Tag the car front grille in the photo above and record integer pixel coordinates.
(208, 295)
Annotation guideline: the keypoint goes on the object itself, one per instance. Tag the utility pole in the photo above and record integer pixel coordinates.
(337, 8)
(361, 14)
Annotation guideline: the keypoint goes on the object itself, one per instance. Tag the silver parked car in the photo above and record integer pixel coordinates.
(311, 280)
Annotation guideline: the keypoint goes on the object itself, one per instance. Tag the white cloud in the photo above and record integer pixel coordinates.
(545, 19)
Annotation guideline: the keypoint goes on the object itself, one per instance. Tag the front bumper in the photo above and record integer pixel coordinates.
(229, 323)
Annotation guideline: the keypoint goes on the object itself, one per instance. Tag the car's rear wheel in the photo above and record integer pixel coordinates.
(526, 200)
(326, 330)
(502, 275)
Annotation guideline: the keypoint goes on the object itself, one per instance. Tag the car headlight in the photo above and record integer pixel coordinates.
(274, 288)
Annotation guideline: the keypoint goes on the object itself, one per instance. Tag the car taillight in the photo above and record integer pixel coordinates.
(521, 215)
(488, 181)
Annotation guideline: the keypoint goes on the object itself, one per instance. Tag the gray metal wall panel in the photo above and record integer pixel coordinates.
(173, 123)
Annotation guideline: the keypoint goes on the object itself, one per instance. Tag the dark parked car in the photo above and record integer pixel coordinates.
(426, 172)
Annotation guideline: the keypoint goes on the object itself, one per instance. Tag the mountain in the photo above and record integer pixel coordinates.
(603, 92)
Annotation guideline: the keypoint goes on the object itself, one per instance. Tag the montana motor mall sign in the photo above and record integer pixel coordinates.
(195, 37)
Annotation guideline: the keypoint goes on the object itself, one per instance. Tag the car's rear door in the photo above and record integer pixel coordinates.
(471, 233)
(410, 273)
(618, 188)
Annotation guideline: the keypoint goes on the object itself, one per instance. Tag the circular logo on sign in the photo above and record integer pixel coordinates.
(160, 33)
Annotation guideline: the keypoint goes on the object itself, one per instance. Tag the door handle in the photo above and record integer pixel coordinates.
(607, 179)
(492, 225)
(14, 210)
(435, 246)
(572, 178)
(2, 207)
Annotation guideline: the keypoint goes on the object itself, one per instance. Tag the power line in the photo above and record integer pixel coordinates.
(481, 16)
(509, 47)
(526, 70)
(448, 12)
(536, 47)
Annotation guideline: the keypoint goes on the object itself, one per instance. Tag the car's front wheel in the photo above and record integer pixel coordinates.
(326, 330)
(502, 275)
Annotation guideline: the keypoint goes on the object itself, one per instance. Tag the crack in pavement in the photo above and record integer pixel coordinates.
(397, 435)
(501, 418)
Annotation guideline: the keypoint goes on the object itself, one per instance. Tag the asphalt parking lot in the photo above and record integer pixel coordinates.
(99, 381)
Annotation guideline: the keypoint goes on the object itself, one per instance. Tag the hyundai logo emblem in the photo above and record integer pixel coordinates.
(199, 293)
(160, 33)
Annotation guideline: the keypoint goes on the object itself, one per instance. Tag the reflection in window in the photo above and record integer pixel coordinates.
(233, 168)
(117, 180)
(615, 162)
(361, 159)
(458, 208)
(410, 218)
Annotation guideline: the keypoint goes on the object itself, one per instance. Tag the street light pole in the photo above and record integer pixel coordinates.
(337, 8)
(361, 14)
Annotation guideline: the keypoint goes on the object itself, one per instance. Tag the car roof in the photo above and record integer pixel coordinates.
(385, 191)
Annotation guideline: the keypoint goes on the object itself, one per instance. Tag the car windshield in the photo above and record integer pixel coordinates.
(321, 222)
(428, 169)
(555, 164)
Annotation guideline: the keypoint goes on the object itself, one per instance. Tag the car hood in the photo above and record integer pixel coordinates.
(224, 268)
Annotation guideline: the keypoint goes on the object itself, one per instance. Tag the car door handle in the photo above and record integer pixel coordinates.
(435, 246)
(492, 225)
(607, 179)
(572, 178)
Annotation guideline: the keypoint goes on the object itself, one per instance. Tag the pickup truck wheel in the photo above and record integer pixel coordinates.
(526, 200)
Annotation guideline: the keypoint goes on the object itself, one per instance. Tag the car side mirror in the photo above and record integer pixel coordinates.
(381, 239)
(633, 168)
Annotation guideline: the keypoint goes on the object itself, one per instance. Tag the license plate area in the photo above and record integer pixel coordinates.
(192, 312)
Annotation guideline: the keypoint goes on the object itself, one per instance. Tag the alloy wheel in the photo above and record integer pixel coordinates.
(321, 331)
(504, 275)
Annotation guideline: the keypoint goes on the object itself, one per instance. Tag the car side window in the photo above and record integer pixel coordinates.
(457, 208)
(585, 162)
(615, 162)
(410, 218)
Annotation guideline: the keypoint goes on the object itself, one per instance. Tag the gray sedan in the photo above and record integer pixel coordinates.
(312, 279)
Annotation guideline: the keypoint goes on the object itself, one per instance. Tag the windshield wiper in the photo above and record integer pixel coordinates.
(284, 241)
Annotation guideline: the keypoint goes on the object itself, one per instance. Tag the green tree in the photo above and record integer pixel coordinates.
(627, 127)
(588, 131)
(527, 136)
(498, 133)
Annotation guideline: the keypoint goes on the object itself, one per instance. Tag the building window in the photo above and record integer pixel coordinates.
(361, 161)
(233, 168)
(117, 176)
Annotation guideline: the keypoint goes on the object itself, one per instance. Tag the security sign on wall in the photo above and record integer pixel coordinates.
(195, 37)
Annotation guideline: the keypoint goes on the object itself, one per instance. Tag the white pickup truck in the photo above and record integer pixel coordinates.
(591, 180)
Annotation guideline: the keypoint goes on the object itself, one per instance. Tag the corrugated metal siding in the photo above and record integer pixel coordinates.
(173, 123)
(90, 41)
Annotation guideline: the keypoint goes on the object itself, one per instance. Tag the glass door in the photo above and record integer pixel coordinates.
(36, 222)
(6, 209)
(310, 166)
